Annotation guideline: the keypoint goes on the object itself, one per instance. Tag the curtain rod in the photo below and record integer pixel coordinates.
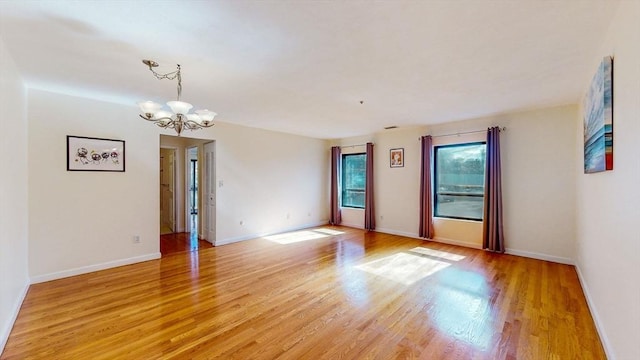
(504, 128)
(346, 146)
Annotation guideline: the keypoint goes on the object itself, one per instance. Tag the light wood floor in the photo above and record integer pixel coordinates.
(311, 295)
(180, 242)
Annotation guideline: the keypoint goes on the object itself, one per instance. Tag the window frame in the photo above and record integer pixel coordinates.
(435, 180)
(342, 181)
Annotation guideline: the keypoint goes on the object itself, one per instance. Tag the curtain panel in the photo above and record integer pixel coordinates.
(335, 217)
(493, 234)
(369, 208)
(426, 206)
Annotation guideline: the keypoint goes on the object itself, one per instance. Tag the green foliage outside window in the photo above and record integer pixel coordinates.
(353, 180)
(459, 181)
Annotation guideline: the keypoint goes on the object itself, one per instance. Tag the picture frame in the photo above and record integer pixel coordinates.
(598, 120)
(95, 154)
(396, 157)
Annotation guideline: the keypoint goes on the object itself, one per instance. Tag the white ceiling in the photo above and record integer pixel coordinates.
(304, 66)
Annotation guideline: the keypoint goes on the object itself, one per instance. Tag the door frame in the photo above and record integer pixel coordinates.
(187, 191)
(208, 180)
(175, 196)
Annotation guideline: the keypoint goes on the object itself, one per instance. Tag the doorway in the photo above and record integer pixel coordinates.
(193, 197)
(190, 206)
(167, 191)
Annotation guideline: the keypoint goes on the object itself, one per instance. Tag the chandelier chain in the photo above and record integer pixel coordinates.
(170, 76)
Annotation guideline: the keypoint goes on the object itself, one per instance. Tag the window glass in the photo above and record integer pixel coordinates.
(353, 180)
(459, 181)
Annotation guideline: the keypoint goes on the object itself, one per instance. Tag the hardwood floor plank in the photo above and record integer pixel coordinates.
(350, 295)
(173, 243)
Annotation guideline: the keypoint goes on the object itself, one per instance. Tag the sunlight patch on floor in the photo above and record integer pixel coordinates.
(403, 268)
(437, 253)
(329, 231)
(464, 316)
(302, 235)
(294, 237)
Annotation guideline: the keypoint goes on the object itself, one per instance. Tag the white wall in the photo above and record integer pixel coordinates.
(608, 203)
(83, 221)
(538, 165)
(14, 278)
(269, 181)
(395, 189)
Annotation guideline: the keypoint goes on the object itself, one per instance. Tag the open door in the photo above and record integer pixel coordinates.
(209, 199)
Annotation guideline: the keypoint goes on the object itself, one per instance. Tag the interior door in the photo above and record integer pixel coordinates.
(167, 195)
(171, 205)
(209, 220)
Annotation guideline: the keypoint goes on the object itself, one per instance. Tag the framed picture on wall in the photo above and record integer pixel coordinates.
(396, 157)
(94, 154)
(598, 120)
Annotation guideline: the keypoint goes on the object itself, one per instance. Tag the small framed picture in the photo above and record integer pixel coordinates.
(94, 154)
(396, 157)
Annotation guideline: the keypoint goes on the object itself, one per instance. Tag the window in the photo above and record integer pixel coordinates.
(459, 181)
(353, 180)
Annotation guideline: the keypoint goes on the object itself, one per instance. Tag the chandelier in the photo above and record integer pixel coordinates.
(179, 118)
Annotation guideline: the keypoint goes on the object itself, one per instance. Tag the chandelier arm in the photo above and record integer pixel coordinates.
(210, 124)
(190, 124)
(155, 120)
(194, 125)
(169, 125)
(147, 118)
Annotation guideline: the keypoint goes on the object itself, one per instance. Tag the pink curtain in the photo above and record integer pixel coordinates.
(369, 208)
(493, 234)
(426, 208)
(335, 216)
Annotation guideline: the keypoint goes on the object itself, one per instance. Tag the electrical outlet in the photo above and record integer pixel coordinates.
(288, 216)
(136, 239)
(381, 217)
(241, 222)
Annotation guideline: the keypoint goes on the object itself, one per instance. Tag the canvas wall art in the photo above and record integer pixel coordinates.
(598, 120)
(94, 154)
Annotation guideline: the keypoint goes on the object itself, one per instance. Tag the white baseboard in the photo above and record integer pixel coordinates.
(456, 242)
(528, 254)
(6, 328)
(436, 239)
(594, 313)
(399, 233)
(355, 226)
(539, 256)
(92, 268)
(255, 236)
